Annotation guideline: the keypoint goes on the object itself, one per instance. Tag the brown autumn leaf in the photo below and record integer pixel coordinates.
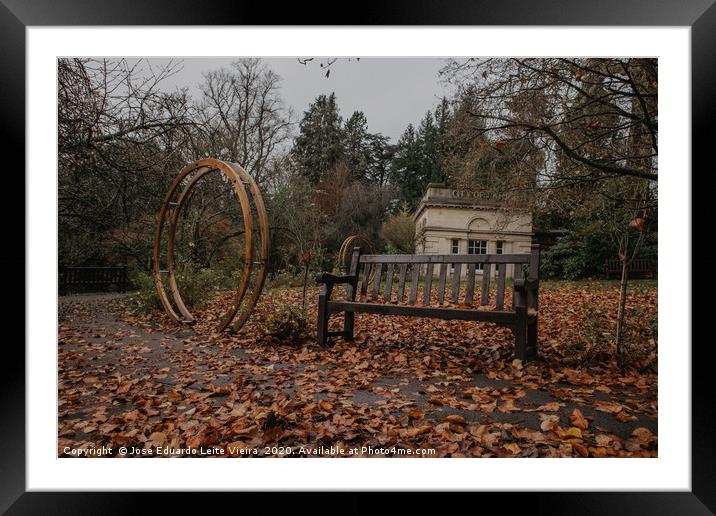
(578, 420)
(132, 415)
(552, 406)
(508, 406)
(124, 387)
(157, 439)
(549, 422)
(610, 407)
(512, 447)
(580, 449)
(643, 434)
(416, 414)
(272, 434)
(416, 431)
(624, 417)
(603, 440)
(599, 452)
(455, 418)
(570, 433)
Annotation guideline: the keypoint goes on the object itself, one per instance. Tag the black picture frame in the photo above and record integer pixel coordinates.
(17, 15)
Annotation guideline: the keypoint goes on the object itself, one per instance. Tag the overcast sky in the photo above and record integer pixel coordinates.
(392, 92)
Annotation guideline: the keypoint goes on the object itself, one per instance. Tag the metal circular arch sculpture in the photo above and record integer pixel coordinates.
(347, 247)
(191, 174)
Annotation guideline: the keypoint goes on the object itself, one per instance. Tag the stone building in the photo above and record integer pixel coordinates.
(451, 221)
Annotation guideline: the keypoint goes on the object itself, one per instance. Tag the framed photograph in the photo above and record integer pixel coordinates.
(418, 253)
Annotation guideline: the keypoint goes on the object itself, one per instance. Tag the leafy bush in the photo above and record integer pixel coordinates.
(399, 232)
(577, 256)
(196, 287)
(591, 341)
(588, 243)
(641, 337)
(146, 298)
(287, 325)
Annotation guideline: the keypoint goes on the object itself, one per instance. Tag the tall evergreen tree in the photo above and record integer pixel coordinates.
(357, 145)
(381, 152)
(419, 156)
(431, 170)
(319, 145)
(407, 167)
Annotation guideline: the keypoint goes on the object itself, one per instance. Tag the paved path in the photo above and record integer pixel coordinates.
(99, 352)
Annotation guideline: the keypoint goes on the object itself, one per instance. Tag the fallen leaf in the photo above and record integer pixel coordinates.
(578, 420)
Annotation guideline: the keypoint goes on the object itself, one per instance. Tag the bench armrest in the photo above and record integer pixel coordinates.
(332, 279)
(526, 292)
(525, 285)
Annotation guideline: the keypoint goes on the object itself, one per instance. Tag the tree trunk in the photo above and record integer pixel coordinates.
(622, 310)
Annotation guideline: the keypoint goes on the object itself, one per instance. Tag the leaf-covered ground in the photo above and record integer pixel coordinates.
(448, 388)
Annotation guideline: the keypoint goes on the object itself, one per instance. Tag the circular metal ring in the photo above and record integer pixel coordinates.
(238, 177)
(347, 247)
(264, 248)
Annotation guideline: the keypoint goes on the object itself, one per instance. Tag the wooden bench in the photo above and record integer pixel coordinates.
(92, 279)
(381, 272)
(640, 268)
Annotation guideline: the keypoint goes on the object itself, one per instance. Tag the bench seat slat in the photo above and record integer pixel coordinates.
(364, 283)
(428, 284)
(470, 283)
(500, 301)
(414, 283)
(457, 268)
(469, 314)
(389, 283)
(441, 283)
(376, 280)
(401, 282)
(485, 288)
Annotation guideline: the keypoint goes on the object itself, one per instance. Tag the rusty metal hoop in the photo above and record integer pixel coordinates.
(347, 247)
(264, 248)
(238, 177)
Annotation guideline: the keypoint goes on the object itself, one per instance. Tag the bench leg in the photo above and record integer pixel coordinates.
(348, 325)
(322, 326)
(532, 338)
(520, 331)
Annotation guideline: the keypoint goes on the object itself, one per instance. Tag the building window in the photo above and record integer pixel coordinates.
(499, 247)
(455, 246)
(477, 247)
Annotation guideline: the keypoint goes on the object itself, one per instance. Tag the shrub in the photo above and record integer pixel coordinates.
(399, 232)
(591, 341)
(146, 298)
(575, 257)
(641, 337)
(287, 325)
(196, 287)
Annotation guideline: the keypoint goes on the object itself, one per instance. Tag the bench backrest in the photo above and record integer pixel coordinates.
(637, 267)
(385, 277)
